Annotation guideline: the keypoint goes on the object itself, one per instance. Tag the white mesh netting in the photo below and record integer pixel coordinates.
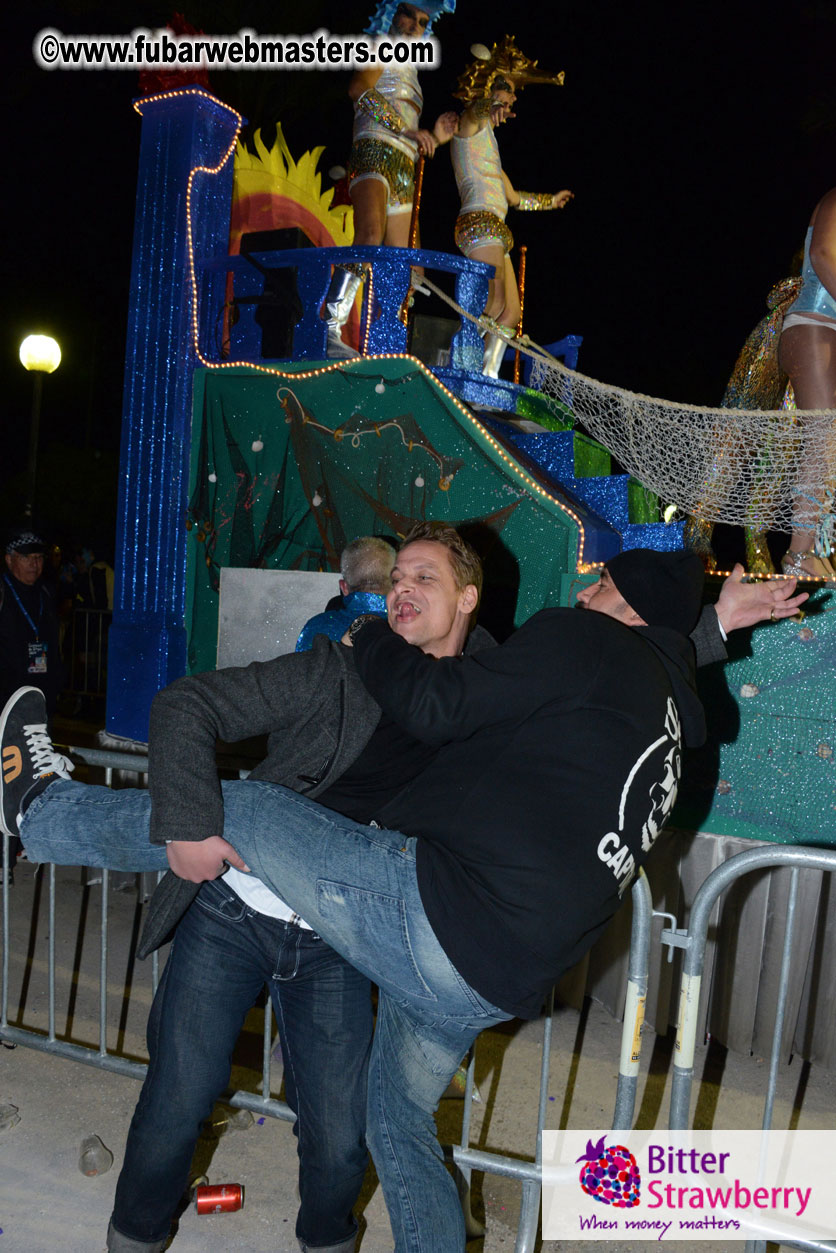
(759, 468)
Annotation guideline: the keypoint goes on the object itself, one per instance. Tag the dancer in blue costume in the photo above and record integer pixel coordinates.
(387, 141)
(808, 355)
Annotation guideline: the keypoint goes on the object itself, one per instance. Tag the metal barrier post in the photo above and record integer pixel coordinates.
(4, 994)
(634, 1005)
(694, 959)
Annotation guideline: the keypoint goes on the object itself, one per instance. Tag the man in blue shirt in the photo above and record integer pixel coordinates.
(365, 566)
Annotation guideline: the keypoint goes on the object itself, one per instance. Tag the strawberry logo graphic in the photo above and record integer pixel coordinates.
(610, 1174)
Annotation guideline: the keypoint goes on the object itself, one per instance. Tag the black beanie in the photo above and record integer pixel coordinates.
(663, 588)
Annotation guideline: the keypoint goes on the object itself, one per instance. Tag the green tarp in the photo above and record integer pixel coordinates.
(287, 470)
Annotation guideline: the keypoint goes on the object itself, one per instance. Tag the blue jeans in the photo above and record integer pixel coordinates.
(222, 955)
(76, 824)
(357, 887)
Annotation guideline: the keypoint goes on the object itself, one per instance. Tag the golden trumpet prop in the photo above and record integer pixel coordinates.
(413, 229)
(521, 285)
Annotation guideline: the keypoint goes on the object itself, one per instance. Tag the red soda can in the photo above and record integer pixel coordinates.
(222, 1198)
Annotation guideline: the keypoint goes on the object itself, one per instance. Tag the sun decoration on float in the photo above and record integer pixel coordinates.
(274, 192)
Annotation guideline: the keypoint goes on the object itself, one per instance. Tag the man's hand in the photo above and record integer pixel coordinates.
(560, 199)
(424, 139)
(199, 860)
(745, 604)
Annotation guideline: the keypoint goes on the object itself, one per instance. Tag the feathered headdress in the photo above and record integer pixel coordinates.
(384, 15)
(503, 61)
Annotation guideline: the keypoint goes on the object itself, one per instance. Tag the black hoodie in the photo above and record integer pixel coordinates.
(560, 754)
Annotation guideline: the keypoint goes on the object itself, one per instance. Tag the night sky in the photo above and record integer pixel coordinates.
(697, 140)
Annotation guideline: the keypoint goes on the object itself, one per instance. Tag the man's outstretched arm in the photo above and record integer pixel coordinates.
(449, 698)
(741, 604)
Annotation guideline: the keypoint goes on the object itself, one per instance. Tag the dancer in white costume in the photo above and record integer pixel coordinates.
(489, 86)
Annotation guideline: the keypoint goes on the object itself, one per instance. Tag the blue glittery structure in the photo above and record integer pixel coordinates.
(607, 495)
(147, 643)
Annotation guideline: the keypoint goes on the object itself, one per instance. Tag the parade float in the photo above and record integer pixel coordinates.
(234, 458)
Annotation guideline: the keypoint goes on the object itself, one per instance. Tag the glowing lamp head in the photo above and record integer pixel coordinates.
(40, 352)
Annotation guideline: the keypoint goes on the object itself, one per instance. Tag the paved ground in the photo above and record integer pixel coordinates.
(47, 1205)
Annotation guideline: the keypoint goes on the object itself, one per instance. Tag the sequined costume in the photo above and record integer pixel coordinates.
(379, 151)
(484, 204)
(757, 382)
(477, 164)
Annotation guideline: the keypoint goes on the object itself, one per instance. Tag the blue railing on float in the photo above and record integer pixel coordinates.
(391, 270)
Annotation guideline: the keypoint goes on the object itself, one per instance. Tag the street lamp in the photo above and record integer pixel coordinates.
(42, 354)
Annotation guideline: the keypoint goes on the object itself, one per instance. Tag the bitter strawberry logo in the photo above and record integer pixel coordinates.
(610, 1174)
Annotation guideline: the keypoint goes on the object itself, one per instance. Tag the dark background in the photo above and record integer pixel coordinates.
(697, 140)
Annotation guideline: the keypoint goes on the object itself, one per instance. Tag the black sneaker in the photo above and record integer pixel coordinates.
(30, 763)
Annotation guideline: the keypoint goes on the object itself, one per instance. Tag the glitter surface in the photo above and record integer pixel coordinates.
(768, 771)
(147, 644)
(341, 458)
(583, 466)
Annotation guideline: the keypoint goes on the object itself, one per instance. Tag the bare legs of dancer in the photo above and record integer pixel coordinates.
(503, 303)
(808, 355)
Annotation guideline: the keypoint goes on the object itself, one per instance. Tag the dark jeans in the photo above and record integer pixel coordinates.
(223, 953)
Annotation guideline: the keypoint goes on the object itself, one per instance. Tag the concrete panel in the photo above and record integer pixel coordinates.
(262, 611)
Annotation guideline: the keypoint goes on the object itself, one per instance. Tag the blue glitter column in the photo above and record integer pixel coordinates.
(181, 130)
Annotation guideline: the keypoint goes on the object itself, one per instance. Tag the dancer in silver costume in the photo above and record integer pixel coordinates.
(387, 141)
(489, 86)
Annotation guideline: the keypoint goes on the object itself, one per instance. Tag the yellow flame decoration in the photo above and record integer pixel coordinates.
(273, 172)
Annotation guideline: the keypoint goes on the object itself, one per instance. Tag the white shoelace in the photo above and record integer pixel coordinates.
(44, 756)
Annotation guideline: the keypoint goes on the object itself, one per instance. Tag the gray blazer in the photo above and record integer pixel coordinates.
(318, 717)
(707, 638)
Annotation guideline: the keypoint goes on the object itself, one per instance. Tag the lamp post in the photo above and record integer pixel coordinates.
(42, 354)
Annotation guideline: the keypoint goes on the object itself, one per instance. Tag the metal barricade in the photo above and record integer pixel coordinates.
(797, 859)
(466, 1158)
(87, 651)
(693, 941)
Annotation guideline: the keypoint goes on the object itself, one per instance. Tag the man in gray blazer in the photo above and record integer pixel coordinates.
(232, 935)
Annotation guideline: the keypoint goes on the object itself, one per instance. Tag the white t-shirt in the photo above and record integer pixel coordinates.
(260, 898)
